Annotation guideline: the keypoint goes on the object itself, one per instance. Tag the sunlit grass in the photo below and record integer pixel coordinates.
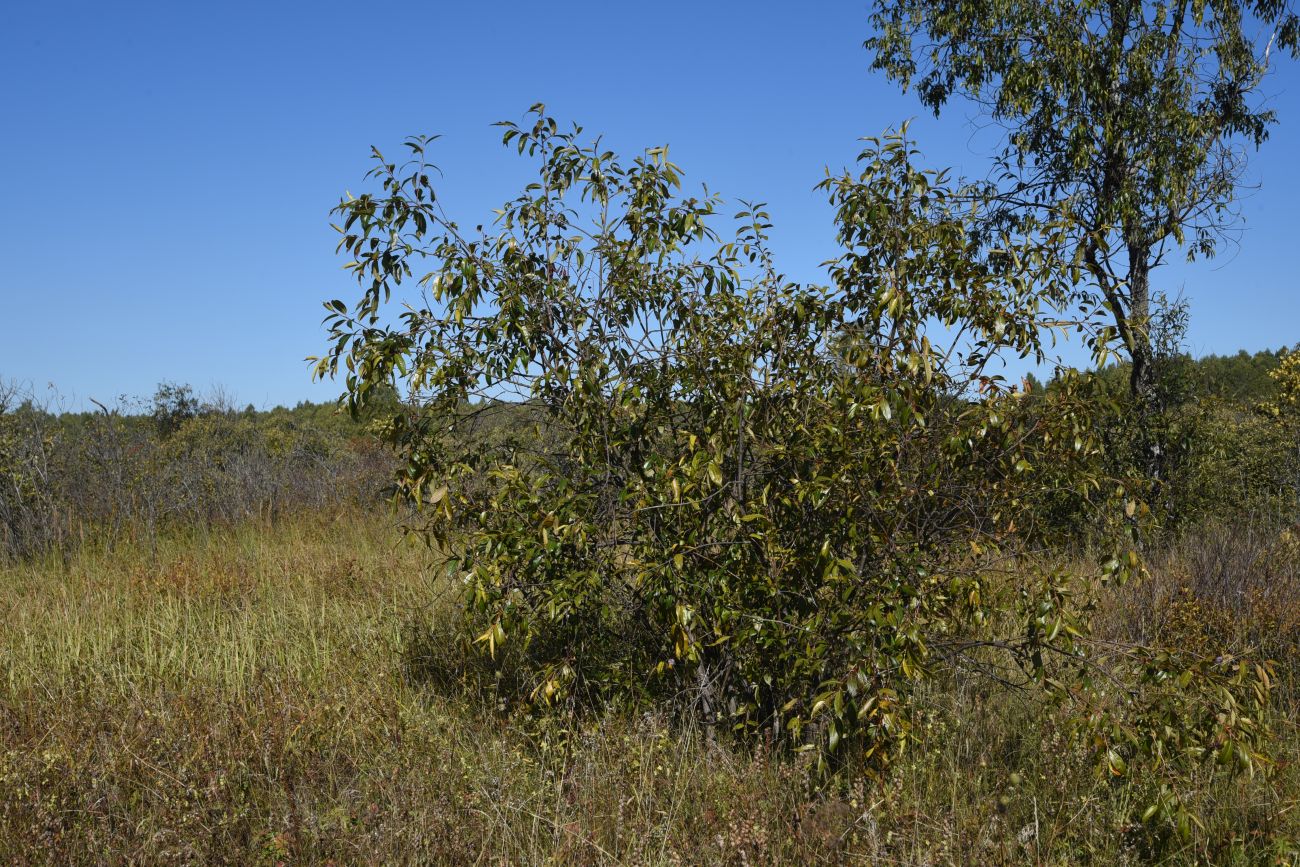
(243, 696)
(314, 600)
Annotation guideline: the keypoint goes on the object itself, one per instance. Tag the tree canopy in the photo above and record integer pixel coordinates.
(1127, 118)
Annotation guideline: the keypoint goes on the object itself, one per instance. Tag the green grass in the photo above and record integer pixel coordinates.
(243, 696)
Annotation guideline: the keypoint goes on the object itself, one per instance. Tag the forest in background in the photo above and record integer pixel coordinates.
(177, 457)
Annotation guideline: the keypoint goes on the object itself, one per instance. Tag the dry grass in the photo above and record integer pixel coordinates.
(241, 697)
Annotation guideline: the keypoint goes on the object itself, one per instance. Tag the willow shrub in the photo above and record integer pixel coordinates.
(774, 507)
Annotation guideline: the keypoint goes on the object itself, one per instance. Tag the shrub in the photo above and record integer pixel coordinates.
(773, 508)
(30, 517)
(1194, 454)
(114, 474)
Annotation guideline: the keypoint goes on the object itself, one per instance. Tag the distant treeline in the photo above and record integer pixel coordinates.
(179, 458)
(1242, 377)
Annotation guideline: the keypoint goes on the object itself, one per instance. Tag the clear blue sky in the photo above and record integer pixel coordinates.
(169, 167)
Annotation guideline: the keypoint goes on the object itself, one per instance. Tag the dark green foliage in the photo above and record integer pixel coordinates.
(1241, 379)
(173, 405)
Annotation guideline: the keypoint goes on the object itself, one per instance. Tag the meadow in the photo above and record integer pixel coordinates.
(293, 692)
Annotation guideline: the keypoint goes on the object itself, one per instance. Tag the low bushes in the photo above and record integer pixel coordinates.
(111, 475)
(774, 510)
